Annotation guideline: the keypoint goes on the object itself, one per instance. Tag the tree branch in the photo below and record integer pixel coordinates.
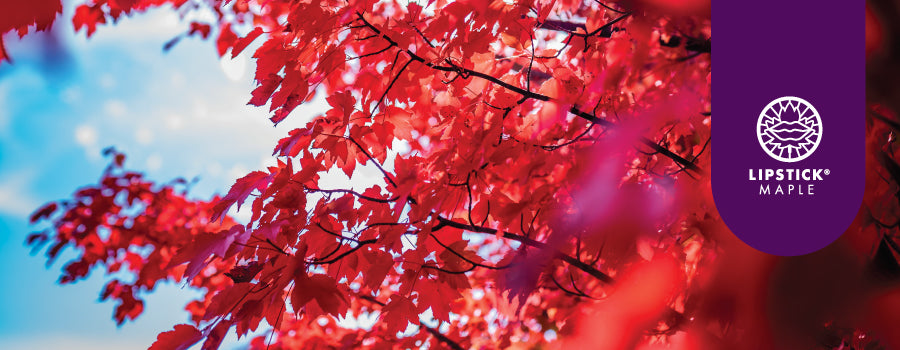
(564, 144)
(342, 255)
(474, 264)
(393, 81)
(338, 235)
(469, 190)
(443, 338)
(563, 26)
(357, 194)
(606, 29)
(378, 165)
(434, 332)
(608, 7)
(465, 72)
(572, 28)
(442, 221)
(371, 54)
(650, 143)
(567, 291)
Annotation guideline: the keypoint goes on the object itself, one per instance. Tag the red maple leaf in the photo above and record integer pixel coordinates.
(239, 192)
(88, 17)
(18, 15)
(399, 313)
(244, 273)
(321, 289)
(226, 39)
(242, 43)
(180, 338)
(43, 212)
(200, 28)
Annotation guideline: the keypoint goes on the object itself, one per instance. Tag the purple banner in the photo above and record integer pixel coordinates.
(788, 162)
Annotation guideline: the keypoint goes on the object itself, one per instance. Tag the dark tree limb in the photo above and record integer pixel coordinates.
(386, 174)
(442, 222)
(342, 255)
(465, 73)
(357, 194)
(564, 144)
(474, 264)
(569, 291)
(434, 332)
(608, 7)
(393, 81)
(443, 338)
(563, 26)
(370, 54)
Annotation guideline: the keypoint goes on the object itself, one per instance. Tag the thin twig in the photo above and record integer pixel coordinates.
(529, 242)
(465, 72)
(393, 81)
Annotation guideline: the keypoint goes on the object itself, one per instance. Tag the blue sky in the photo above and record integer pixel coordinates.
(181, 113)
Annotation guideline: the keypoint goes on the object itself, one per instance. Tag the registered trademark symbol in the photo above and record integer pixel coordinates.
(827, 171)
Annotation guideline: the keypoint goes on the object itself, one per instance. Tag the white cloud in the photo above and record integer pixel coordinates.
(86, 135)
(177, 79)
(234, 69)
(154, 25)
(15, 200)
(237, 171)
(69, 342)
(115, 108)
(154, 162)
(143, 135)
(214, 169)
(70, 95)
(200, 110)
(244, 215)
(174, 122)
(107, 81)
(267, 161)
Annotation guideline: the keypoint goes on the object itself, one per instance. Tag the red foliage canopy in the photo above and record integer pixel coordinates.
(544, 176)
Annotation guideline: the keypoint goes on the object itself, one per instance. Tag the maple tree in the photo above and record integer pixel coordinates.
(545, 168)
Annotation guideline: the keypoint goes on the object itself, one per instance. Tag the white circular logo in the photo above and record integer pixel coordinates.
(789, 129)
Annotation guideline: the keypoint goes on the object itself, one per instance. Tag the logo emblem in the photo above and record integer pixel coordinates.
(789, 129)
